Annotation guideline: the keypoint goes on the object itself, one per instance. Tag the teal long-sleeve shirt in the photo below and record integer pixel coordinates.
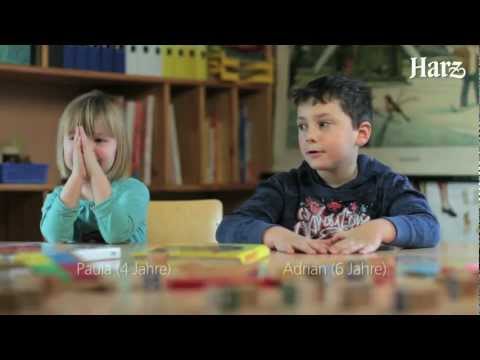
(120, 219)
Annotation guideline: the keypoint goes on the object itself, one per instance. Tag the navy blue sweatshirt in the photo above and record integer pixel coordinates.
(301, 201)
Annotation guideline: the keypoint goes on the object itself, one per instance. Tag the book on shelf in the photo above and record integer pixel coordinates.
(190, 62)
(149, 60)
(97, 58)
(17, 54)
(242, 143)
(257, 72)
(216, 150)
(207, 150)
(219, 149)
(221, 66)
(147, 165)
(200, 66)
(129, 114)
(174, 168)
(138, 139)
(246, 53)
(139, 119)
(168, 61)
(119, 59)
(240, 62)
(104, 56)
(131, 59)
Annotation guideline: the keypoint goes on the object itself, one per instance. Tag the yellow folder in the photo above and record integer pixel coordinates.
(201, 66)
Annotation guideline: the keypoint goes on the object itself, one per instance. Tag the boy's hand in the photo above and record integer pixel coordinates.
(88, 149)
(364, 239)
(78, 163)
(286, 241)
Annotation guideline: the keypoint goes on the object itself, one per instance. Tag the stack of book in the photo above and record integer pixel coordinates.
(246, 163)
(105, 58)
(258, 72)
(221, 66)
(254, 66)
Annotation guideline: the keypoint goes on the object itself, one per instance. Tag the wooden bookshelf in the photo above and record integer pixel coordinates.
(24, 188)
(32, 98)
(22, 73)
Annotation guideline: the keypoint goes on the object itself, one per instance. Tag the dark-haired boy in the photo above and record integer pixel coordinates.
(337, 201)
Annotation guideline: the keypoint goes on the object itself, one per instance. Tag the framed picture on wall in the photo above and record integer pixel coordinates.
(425, 100)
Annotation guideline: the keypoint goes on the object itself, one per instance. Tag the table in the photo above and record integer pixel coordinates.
(355, 284)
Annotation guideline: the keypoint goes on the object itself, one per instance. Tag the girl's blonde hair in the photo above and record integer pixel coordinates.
(85, 111)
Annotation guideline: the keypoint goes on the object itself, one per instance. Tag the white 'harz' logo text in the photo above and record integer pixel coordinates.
(436, 69)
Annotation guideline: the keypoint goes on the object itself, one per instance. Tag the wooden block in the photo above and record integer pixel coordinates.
(54, 285)
(289, 293)
(248, 295)
(152, 281)
(417, 298)
(227, 299)
(354, 270)
(96, 285)
(269, 282)
(186, 284)
(459, 284)
(9, 265)
(30, 296)
(311, 293)
(8, 301)
(356, 295)
(388, 277)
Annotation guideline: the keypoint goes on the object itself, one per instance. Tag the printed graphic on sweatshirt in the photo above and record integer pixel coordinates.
(321, 220)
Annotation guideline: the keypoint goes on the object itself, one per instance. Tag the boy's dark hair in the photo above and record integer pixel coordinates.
(354, 96)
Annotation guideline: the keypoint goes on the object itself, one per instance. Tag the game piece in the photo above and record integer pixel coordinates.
(289, 293)
(9, 264)
(29, 290)
(400, 300)
(459, 283)
(356, 295)
(85, 278)
(229, 299)
(355, 270)
(33, 259)
(8, 303)
(248, 295)
(316, 284)
(151, 281)
(416, 297)
(453, 288)
(385, 277)
(269, 282)
(185, 284)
